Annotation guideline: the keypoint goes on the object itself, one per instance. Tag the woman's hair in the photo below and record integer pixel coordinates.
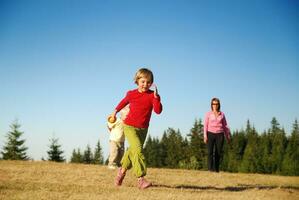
(218, 101)
(144, 73)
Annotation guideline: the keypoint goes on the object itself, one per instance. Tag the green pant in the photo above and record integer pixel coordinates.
(133, 157)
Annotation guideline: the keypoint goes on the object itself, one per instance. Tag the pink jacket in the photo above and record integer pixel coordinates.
(216, 125)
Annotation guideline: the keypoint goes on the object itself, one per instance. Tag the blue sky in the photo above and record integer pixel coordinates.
(64, 65)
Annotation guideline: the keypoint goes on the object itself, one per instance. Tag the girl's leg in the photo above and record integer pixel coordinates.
(134, 155)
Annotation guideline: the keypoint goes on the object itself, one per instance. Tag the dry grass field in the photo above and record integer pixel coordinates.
(47, 180)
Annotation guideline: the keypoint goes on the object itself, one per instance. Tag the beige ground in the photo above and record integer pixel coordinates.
(46, 180)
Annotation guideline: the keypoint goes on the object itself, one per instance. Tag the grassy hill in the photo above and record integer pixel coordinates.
(47, 180)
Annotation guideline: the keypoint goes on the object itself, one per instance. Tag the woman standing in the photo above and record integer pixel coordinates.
(215, 129)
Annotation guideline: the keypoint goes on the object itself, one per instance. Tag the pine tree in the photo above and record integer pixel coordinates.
(163, 147)
(174, 151)
(266, 152)
(236, 151)
(55, 152)
(77, 157)
(291, 160)
(87, 156)
(278, 146)
(14, 149)
(98, 154)
(157, 146)
(198, 149)
(152, 152)
(187, 161)
(251, 156)
(225, 157)
(147, 151)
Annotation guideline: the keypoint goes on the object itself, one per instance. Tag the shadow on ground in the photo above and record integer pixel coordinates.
(237, 188)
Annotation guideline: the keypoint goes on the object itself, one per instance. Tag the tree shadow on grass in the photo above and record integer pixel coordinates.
(237, 188)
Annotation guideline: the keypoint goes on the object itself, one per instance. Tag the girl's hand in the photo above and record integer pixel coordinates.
(155, 90)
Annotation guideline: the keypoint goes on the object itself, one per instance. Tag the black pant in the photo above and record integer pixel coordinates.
(215, 145)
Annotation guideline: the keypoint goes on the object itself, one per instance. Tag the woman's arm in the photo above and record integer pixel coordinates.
(205, 128)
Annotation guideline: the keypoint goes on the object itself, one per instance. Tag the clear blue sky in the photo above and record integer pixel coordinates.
(64, 65)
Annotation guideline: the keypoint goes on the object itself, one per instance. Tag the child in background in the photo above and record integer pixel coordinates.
(117, 138)
(142, 101)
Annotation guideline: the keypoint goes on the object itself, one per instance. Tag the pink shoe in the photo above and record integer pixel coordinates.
(143, 184)
(119, 178)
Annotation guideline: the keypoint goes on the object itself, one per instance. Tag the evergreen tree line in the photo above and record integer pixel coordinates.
(15, 149)
(271, 152)
(88, 157)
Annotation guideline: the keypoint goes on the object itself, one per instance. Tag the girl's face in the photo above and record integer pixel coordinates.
(143, 84)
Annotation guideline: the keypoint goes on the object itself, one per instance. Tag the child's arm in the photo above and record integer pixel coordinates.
(120, 106)
(157, 105)
(157, 100)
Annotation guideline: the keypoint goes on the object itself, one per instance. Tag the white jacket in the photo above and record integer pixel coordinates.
(117, 130)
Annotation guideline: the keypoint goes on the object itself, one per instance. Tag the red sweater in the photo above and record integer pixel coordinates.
(141, 106)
